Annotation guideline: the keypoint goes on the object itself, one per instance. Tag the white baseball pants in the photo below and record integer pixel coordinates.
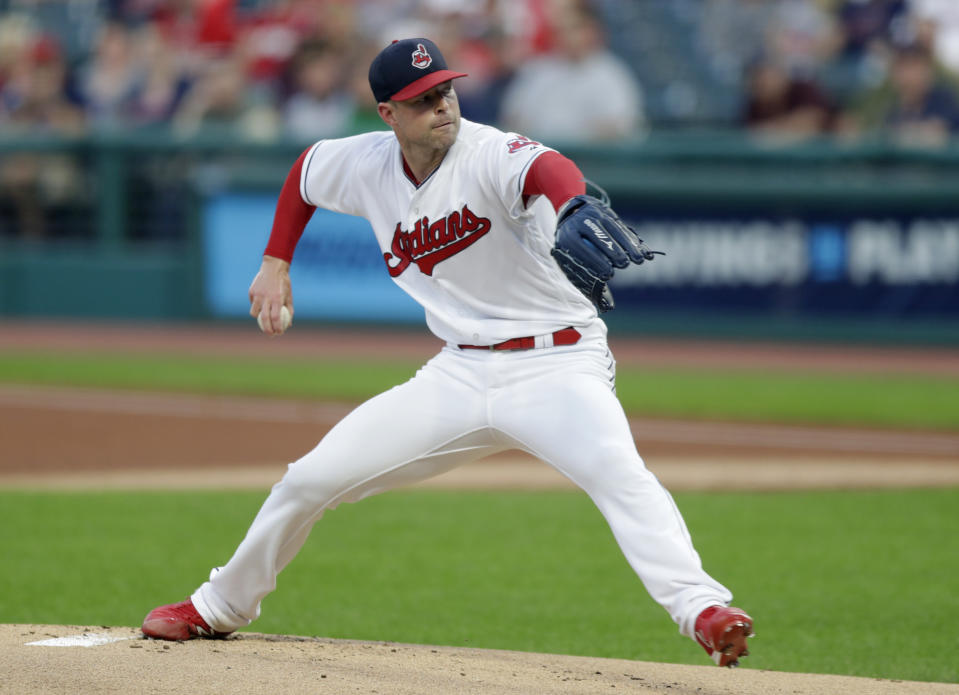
(556, 403)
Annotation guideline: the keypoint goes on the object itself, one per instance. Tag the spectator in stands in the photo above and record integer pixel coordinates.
(270, 37)
(924, 110)
(198, 33)
(162, 84)
(864, 22)
(198, 29)
(730, 33)
(936, 25)
(782, 105)
(110, 79)
(35, 102)
(580, 91)
(800, 34)
(320, 106)
(470, 41)
(528, 24)
(17, 34)
(365, 115)
(35, 96)
(72, 24)
(914, 107)
(483, 100)
(865, 31)
(218, 103)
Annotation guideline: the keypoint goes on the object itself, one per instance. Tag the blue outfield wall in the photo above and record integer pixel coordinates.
(881, 267)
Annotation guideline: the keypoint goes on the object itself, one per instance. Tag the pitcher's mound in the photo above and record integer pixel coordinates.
(92, 660)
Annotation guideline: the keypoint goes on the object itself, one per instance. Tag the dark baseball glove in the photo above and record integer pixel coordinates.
(591, 242)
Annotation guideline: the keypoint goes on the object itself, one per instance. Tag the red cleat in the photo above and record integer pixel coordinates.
(722, 632)
(178, 622)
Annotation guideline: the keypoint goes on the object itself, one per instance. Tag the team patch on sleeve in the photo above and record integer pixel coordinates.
(519, 142)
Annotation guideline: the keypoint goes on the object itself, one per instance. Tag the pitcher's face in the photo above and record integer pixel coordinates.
(430, 119)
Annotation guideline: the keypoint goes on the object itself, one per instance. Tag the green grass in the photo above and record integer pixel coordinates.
(220, 375)
(813, 397)
(848, 583)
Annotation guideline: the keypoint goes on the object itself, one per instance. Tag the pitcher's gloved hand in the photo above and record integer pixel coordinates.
(591, 242)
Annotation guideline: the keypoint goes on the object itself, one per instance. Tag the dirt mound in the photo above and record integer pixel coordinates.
(93, 660)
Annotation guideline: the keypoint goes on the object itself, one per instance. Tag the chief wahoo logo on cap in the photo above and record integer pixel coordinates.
(421, 57)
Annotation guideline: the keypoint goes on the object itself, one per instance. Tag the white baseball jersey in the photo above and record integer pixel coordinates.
(445, 241)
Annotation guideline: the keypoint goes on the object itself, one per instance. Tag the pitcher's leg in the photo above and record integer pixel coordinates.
(412, 432)
(575, 422)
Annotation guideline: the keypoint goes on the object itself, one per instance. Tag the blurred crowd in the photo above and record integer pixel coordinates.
(846, 68)
(265, 69)
(298, 68)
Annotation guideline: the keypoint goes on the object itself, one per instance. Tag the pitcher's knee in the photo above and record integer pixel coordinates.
(614, 470)
(314, 485)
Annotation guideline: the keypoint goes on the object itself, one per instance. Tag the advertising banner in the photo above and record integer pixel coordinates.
(862, 265)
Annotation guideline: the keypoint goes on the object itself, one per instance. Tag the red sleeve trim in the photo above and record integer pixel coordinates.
(555, 176)
(292, 214)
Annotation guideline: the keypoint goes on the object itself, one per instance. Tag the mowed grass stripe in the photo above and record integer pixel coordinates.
(881, 400)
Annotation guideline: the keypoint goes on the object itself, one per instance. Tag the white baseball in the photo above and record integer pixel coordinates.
(286, 319)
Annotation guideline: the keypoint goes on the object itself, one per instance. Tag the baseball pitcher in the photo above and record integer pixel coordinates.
(494, 235)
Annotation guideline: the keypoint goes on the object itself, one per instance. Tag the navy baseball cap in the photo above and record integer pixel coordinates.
(407, 68)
